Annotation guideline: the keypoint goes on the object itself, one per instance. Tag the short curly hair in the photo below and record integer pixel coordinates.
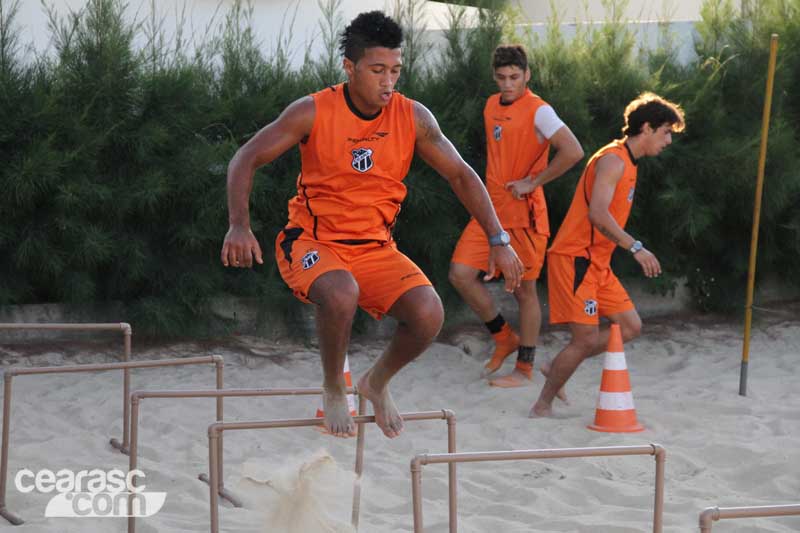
(369, 30)
(652, 109)
(510, 55)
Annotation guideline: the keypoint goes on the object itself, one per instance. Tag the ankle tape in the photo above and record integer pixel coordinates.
(525, 354)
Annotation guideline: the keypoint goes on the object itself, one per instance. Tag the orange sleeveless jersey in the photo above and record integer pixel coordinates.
(513, 151)
(351, 180)
(577, 237)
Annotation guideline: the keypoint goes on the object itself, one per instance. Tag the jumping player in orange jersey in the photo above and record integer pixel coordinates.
(520, 128)
(580, 283)
(357, 140)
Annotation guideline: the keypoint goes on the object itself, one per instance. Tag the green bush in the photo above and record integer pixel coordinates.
(115, 156)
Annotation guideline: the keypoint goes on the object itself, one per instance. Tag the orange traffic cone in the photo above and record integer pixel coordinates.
(615, 412)
(351, 400)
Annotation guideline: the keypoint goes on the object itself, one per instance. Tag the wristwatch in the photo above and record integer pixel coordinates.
(501, 239)
(636, 246)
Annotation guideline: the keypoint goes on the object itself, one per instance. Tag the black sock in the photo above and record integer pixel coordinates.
(496, 324)
(525, 354)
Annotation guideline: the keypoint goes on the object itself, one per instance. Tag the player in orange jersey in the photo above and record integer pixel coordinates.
(520, 129)
(580, 283)
(357, 140)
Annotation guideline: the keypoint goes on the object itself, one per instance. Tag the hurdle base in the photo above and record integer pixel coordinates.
(119, 446)
(611, 429)
(223, 492)
(11, 517)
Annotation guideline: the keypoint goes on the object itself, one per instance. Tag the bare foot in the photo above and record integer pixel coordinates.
(338, 421)
(540, 410)
(493, 365)
(387, 417)
(561, 394)
(489, 368)
(517, 378)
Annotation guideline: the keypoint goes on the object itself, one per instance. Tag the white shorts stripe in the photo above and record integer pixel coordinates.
(615, 401)
(615, 361)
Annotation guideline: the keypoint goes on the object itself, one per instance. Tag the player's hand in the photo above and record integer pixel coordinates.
(504, 259)
(520, 188)
(240, 248)
(650, 265)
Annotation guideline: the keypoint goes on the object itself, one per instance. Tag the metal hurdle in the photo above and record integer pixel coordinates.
(473, 457)
(127, 332)
(215, 432)
(711, 514)
(138, 396)
(11, 372)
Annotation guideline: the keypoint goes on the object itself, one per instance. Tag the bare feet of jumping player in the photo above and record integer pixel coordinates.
(387, 417)
(338, 421)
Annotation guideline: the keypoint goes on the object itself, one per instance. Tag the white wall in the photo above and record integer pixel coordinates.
(571, 11)
(648, 35)
(272, 18)
(300, 19)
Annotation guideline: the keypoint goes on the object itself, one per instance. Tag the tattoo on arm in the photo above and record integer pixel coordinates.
(607, 233)
(430, 129)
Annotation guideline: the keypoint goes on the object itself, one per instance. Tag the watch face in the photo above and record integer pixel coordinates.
(501, 239)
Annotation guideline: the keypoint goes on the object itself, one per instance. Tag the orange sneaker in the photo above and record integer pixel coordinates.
(506, 342)
(519, 377)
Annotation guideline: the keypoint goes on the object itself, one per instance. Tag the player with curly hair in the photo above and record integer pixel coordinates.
(357, 140)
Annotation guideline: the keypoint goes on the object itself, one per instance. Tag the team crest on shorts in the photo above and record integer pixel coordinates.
(498, 132)
(362, 159)
(590, 307)
(310, 259)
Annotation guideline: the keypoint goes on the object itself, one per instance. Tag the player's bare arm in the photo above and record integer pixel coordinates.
(568, 152)
(608, 172)
(240, 246)
(438, 152)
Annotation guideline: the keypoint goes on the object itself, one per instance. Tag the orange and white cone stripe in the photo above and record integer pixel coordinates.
(351, 400)
(615, 412)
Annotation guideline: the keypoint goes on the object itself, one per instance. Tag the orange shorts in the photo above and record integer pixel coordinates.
(383, 273)
(580, 292)
(473, 249)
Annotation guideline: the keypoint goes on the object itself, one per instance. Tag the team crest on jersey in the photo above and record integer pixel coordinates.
(498, 132)
(630, 194)
(362, 159)
(310, 259)
(590, 307)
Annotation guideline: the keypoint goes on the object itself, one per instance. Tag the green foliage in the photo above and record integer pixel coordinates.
(464, 69)
(115, 154)
(702, 210)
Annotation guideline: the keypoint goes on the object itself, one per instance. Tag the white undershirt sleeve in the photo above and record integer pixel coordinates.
(547, 122)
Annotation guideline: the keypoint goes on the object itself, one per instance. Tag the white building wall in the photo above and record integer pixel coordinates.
(570, 11)
(300, 20)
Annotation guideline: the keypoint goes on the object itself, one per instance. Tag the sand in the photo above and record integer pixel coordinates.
(722, 449)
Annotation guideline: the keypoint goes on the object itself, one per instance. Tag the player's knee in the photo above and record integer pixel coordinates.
(341, 300)
(526, 294)
(433, 318)
(459, 275)
(631, 328)
(428, 317)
